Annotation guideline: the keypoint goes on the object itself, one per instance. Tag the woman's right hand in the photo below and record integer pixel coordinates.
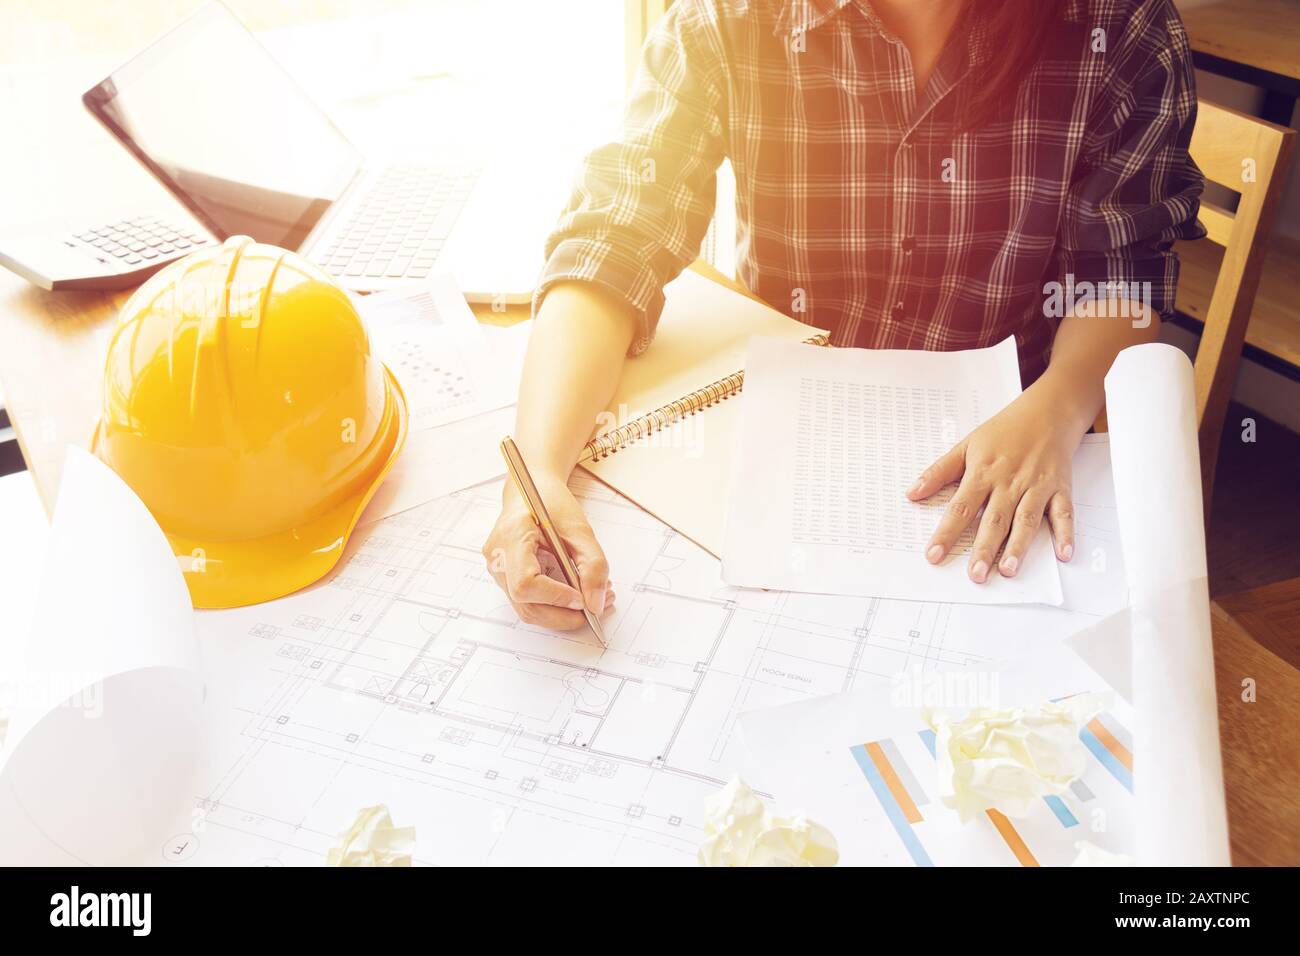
(518, 560)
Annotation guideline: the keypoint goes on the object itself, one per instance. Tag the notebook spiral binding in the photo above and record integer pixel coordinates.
(602, 446)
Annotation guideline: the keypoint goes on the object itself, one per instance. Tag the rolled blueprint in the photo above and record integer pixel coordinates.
(1181, 819)
(106, 721)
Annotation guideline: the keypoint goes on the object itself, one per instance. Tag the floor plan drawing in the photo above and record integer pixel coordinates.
(407, 679)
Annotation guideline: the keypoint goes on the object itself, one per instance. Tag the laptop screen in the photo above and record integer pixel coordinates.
(224, 127)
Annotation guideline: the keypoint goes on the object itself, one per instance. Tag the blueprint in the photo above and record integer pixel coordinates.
(406, 679)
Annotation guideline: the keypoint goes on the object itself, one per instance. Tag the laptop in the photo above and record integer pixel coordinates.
(210, 113)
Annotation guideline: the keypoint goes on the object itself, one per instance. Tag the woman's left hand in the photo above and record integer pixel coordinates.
(1016, 466)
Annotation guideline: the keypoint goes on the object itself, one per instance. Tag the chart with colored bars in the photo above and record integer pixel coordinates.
(1097, 807)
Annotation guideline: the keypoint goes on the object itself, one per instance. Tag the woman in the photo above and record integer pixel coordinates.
(933, 174)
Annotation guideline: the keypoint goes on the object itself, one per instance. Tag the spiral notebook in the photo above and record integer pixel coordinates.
(667, 439)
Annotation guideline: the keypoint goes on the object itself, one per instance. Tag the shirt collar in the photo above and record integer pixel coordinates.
(799, 16)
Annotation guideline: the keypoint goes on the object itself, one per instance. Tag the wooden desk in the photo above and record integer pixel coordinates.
(1260, 740)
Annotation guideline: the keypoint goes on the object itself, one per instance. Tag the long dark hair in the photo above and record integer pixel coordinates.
(1017, 30)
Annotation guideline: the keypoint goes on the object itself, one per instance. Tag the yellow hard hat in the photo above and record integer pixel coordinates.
(242, 403)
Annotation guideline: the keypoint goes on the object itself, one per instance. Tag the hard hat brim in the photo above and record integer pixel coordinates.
(226, 574)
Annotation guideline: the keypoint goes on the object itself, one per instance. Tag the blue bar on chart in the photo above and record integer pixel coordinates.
(901, 815)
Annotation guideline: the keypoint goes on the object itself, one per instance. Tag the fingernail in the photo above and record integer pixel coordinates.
(596, 599)
(1067, 552)
(1009, 564)
(575, 604)
(916, 486)
(979, 571)
(935, 554)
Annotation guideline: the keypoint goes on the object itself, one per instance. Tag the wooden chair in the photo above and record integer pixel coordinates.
(1250, 157)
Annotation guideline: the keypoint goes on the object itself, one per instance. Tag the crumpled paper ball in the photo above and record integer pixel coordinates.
(372, 840)
(739, 831)
(1006, 760)
(1092, 855)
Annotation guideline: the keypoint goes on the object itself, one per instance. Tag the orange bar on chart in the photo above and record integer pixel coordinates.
(1110, 743)
(895, 785)
(1013, 838)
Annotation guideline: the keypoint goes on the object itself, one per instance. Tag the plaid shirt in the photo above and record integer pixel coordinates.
(862, 206)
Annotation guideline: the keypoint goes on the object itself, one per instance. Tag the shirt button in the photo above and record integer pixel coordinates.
(908, 245)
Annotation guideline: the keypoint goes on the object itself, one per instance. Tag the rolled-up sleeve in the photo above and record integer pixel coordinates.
(1136, 190)
(641, 205)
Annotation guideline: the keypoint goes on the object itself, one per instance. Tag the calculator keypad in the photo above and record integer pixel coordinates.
(141, 240)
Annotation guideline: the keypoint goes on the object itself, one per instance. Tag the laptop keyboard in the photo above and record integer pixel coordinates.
(400, 226)
(397, 230)
(136, 242)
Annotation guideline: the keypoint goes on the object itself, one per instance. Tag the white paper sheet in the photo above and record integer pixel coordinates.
(831, 439)
(26, 531)
(1182, 819)
(461, 380)
(441, 460)
(1107, 647)
(105, 727)
(864, 765)
(450, 366)
(1094, 580)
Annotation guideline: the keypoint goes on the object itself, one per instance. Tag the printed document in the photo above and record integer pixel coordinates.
(830, 442)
